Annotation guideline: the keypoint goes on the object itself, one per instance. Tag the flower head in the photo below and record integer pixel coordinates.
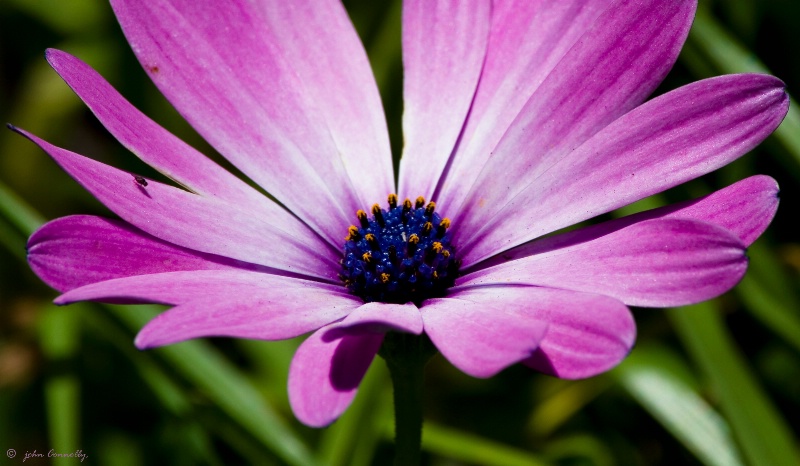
(521, 118)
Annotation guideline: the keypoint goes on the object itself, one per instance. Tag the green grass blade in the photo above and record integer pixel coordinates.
(18, 212)
(768, 294)
(764, 437)
(59, 334)
(206, 369)
(12, 240)
(657, 379)
(193, 437)
(562, 403)
(469, 448)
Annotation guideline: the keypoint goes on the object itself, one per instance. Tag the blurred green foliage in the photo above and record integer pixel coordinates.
(714, 384)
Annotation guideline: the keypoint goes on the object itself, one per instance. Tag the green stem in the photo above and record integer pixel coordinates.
(406, 355)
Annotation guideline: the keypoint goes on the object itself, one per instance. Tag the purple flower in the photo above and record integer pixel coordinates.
(521, 118)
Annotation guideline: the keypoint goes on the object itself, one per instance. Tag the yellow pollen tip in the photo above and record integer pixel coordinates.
(385, 277)
(445, 253)
(407, 204)
(413, 239)
(437, 247)
(435, 275)
(445, 223)
(369, 237)
(362, 218)
(376, 208)
(426, 228)
(420, 202)
(352, 233)
(392, 200)
(366, 257)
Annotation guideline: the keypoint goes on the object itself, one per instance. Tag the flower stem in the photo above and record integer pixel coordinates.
(406, 355)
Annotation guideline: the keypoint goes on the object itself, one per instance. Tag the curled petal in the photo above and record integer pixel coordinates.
(744, 208)
(482, 331)
(584, 339)
(325, 374)
(379, 317)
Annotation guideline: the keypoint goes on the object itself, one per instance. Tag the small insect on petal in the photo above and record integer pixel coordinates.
(140, 180)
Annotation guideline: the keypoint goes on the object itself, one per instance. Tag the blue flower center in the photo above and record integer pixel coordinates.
(399, 255)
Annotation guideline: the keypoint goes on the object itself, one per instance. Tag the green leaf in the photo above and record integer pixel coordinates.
(206, 369)
(59, 333)
(579, 449)
(565, 399)
(659, 381)
(18, 213)
(764, 437)
(470, 448)
(768, 294)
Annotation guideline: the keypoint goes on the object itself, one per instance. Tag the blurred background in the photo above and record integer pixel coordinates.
(712, 384)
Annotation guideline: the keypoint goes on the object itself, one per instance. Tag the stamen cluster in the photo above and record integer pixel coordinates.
(399, 255)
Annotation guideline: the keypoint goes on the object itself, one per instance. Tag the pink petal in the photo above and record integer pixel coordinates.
(200, 223)
(247, 96)
(659, 263)
(587, 335)
(327, 55)
(274, 314)
(223, 303)
(483, 330)
(378, 317)
(744, 208)
(612, 68)
(74, 251)
(527, 40)
(155, 145)
(255, 317)
(444, 43)
(671, 139)
(174, 288)
(325, 373)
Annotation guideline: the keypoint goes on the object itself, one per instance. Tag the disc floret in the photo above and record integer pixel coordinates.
(399, 255)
